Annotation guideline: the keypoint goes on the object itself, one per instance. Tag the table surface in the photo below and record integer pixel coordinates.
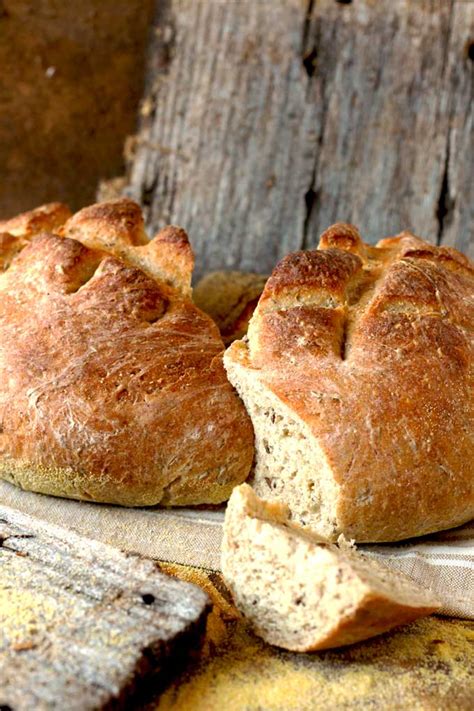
(428, 665)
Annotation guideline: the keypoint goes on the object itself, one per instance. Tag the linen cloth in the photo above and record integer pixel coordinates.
(443, 562)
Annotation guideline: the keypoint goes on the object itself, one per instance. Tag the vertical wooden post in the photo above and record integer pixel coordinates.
(266, 121)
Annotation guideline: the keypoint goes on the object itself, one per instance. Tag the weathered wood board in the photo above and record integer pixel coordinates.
(264, 122)
(82, 625)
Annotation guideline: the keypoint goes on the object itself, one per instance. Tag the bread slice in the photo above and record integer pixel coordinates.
(358, 376)
(230, 298)
(112, 386)
(302, 594)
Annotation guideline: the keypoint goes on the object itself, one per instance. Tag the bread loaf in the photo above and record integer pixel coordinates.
(230, 298)
(112, 386)
(358, 377)
(306, 595)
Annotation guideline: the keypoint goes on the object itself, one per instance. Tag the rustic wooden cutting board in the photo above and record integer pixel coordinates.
(82, 625)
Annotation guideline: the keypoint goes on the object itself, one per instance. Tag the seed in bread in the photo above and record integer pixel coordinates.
(303, 594)
(358, 377)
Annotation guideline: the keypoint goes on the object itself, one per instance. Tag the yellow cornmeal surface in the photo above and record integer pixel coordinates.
(426, 666)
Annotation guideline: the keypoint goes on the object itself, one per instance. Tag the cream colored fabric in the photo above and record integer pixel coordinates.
(190, 537)
(443, 562)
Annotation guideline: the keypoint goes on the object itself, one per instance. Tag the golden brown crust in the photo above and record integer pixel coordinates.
(306, 275)
(386, 341)
(172, 257)
(108, 224)
(374, 615)
(9, 247)
(343, 236)
(117, 227)
(47, 218)
(302, 308)
(16, 232)
(111, 383)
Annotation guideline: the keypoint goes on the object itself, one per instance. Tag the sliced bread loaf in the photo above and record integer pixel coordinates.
(303, 594)
(358, 376)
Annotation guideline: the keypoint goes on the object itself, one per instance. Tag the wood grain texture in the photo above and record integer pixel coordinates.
(82, 626)
(264, 122)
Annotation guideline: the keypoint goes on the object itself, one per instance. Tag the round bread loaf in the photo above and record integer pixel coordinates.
(112, 386)
(358, 377)
(230, 298)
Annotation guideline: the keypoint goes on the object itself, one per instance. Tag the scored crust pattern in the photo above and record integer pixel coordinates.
(371, 348)
(111, 381)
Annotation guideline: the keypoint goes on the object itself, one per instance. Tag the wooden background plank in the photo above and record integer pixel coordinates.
(266, 121)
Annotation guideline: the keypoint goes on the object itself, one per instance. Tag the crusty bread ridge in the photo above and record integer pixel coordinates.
(357, 374)
(16, 232)
(305, 595)
(230, 298)
(112, 386)
(117, 226)
(46, 218)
